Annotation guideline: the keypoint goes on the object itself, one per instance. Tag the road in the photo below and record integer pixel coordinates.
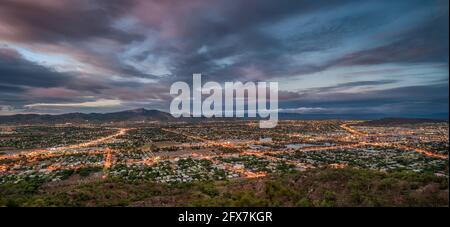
(386, 144)
(155, 158)
(55, 151)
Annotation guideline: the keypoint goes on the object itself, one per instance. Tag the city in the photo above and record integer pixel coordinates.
(234, 108)
(222, 151)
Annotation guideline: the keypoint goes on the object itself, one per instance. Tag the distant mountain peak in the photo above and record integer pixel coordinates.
(138, 110)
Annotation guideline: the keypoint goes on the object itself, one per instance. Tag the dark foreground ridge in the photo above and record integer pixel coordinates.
(316, 187)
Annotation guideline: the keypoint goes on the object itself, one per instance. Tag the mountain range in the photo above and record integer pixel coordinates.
(128, 115)
(156, 115)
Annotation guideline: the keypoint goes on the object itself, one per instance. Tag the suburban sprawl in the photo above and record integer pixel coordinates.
(48, 157)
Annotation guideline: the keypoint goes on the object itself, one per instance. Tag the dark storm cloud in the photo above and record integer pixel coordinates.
(227, 29)
(64, 20)
(16, 71)
(18, 76)
(240, 33)
(23, 82)
(350, 85)
(10, 89)
(132, 50)
(71, 26)
(231, 29)
(427, 43)
(418, 99)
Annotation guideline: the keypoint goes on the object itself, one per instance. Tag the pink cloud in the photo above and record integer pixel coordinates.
(52, 92)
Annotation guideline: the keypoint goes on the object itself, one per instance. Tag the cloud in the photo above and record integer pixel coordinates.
(16, 71)
(305, 110)
(62, 20)
(412, 99)
(52, 92)
(7, 110)
(349, 85)
(61, 51)
(96, 104)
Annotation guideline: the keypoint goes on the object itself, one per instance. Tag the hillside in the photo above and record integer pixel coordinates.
(317, 187)
(129, 115)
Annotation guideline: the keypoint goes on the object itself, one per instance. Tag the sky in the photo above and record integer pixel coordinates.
(328, 56)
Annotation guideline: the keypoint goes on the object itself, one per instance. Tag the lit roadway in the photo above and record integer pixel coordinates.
(385, 144)
(247, 174)
(40, 154)
(108, 154)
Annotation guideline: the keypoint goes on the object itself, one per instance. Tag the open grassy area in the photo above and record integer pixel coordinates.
(318, 187)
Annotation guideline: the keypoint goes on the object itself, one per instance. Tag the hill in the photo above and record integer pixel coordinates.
(128, 115)
(156, 115)
(313, 188)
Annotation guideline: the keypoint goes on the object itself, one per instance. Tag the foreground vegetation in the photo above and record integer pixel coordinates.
(317, 187)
